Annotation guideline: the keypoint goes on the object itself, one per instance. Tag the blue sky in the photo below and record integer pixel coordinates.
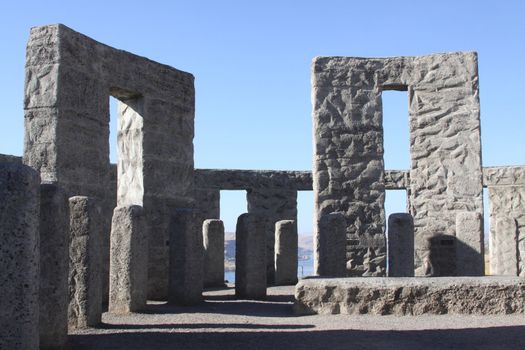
(251, 60)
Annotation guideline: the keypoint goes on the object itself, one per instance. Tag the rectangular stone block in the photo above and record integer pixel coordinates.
(400, 245)
(250, 257)
(128, 261)
(330, 246)
(286, 252)
(186, 258)
(19, 257)
(504, 258)
(85, 263)
(54, 266)
(470, 244)
(213, 239)
(411, 296)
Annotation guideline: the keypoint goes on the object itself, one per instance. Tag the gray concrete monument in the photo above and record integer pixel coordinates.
(470, 244)
(54, 266)
(213, 242)
(400, 245)
(348, 175)
(286, 241)
(69, 78)
(129, 261)
(19, 257)
(250, 257)
(85, 263)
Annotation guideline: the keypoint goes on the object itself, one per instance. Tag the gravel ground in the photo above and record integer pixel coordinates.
(222, 322)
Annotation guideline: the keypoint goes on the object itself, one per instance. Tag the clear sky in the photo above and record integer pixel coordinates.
(251, 61)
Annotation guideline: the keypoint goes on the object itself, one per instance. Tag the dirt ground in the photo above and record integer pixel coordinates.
(222, 322)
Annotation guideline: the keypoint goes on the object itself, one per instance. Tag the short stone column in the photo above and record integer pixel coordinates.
(186, 258)
(400, 245)
(469, 244)
(213, 239)
(19, 256)
(54, 266)
(286, 252)
(330, 246)
(250, 257)
(128, 277)
(85, 263)
(504, 243)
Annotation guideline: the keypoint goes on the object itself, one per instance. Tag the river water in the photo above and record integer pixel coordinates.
(304, 268)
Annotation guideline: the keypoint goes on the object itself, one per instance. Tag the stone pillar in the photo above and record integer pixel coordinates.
(400, 245)
(19, 257)
(128, 261)
(213, 239)
(470, 244)
(272, 205)
(54, 266)
(504, 255)
(186, 258)
(85, 260)
(348, 167)
(250, 257)
(330, 246)
(286, 252)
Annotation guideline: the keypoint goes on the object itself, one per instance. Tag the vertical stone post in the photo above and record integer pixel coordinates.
(286, 252)
(186, 258)
(19, 257)
(85, 260)
(330, 246)
(128, 261)
(504, 258)
(400, 245)
(54, 266)
(213, 239)
(469, 244)
(250, 257)
(273, 205)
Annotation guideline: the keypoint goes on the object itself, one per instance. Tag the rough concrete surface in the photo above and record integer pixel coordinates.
(411, 296)
(224, 323)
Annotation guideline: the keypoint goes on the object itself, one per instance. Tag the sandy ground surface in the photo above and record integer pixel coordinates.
(222, 322)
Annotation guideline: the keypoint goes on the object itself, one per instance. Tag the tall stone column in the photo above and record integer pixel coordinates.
(213, 239)
(85, 263)
(400, 245)
(250, 257)
(330, 246)
(19, 257)
(272, 205)
(186, 258)
(286, 252)
(54, 266)
(129, 261)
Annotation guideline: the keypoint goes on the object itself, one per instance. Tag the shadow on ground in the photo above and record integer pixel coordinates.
(487, 338)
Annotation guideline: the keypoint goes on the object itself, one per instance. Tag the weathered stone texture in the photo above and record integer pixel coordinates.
(54, 266)
(470, 244)
(400, 245)
(186, 258)
(411, 296)
(250, 257)
(67, 131)
(445, 177)
(286, 241)
(397, 179)
(330, 246)
(507, 230)
(507, 219)
(273, 205)
(129, 260)
(85, 263)
(19, 257)
(213, 241)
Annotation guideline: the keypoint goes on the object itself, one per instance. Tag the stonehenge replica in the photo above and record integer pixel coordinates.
(79, 236)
